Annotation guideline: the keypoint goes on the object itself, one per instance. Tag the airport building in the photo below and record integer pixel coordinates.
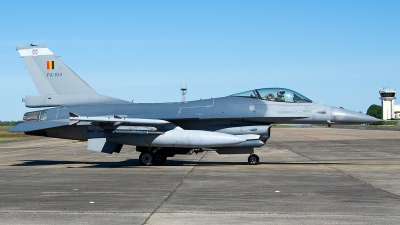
(397, 112)
(389, 109)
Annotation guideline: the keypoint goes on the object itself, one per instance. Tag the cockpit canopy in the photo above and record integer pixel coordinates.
(275, 95)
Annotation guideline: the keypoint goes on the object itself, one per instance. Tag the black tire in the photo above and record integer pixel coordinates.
(146, 158)
(253, 159)
(159, 159)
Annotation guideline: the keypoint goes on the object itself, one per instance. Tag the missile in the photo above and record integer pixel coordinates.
(179, 138)
(137, 130)
(116, 120)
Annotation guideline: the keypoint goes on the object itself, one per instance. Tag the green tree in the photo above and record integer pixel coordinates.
(375, 111)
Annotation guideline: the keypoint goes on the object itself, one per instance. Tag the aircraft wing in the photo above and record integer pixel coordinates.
(75, 118)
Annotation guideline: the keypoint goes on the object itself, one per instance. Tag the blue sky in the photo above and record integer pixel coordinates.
(334, 52)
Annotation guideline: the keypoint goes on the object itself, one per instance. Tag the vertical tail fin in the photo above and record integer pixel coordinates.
(56, 82)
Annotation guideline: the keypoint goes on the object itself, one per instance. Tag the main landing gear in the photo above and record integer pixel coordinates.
(149, 159)
(253, 159)
(157, 156)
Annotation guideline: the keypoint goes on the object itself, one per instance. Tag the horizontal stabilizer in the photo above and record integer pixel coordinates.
(37, 125)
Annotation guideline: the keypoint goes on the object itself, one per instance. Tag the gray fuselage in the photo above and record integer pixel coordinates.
(209, 114)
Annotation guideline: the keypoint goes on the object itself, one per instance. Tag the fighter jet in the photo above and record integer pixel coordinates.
(235, 124)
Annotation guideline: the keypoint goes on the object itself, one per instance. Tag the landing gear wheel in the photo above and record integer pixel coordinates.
(253, 159)
(146, 158)
(159, 159)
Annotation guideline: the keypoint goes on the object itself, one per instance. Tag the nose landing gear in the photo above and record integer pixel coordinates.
(253, 159)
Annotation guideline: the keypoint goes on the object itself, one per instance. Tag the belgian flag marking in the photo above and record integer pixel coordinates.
(50, 65)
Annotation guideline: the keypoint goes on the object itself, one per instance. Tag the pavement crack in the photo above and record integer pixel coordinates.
(355, 178)
(173, 191)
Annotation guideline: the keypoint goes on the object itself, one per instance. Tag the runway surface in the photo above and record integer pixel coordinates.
(306, 176)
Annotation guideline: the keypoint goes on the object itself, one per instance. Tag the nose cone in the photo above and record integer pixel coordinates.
(340, 115)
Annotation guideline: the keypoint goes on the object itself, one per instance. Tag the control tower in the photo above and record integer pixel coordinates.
(184, 91)
(387, 100)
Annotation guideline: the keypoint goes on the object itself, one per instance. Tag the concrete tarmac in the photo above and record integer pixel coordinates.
(306, 176)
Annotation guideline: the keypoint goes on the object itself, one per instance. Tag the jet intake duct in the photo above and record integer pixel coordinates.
(257, 129)
(249, 143)
(263, 132)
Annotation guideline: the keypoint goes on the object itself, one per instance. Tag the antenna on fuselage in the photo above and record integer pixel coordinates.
(184, 91)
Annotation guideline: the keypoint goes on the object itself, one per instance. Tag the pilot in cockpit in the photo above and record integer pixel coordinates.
(280, 96)
(275, 95)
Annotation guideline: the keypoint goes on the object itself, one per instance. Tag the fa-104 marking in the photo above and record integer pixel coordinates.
(54, 74)
(235, 124)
